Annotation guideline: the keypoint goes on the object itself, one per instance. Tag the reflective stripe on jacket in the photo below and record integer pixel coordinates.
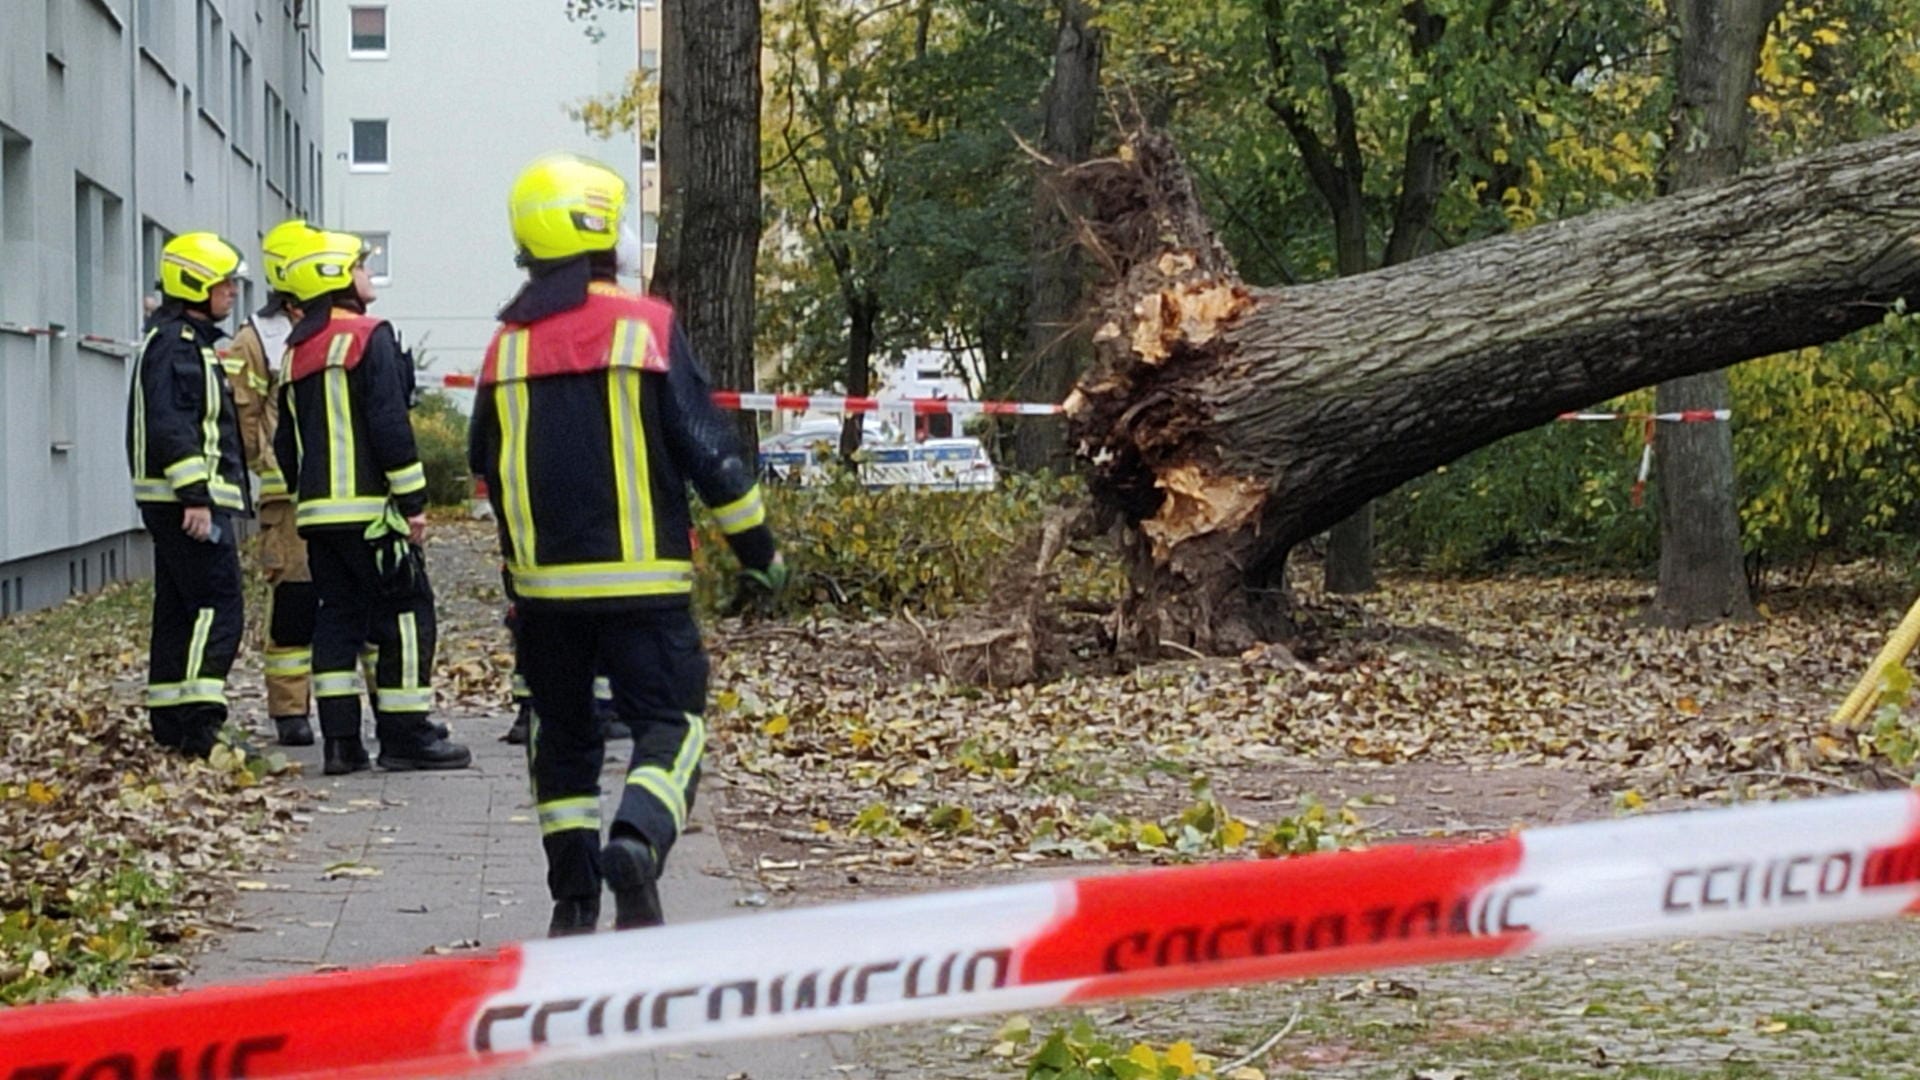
(183, 437)
(587, 428)
(344, 442)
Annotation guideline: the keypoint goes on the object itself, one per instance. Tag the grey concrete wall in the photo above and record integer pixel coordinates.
(121, 122)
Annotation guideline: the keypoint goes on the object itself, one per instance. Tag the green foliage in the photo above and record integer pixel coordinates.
(889, 549)
(1826, 447)
(1892, 733)
(440, 434)
(1081, 1052)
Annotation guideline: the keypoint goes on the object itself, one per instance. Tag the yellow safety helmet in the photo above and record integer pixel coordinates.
(191, 264)
(319, 263)
(281, 240)
(563, 205)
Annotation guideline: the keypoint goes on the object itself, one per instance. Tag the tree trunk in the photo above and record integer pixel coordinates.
(863, 315)
(1223, 424)
(710, 184)
(1702, 571)
(1056, 348)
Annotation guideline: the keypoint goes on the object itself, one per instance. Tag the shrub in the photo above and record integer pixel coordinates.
(440, 433)
(883, 550)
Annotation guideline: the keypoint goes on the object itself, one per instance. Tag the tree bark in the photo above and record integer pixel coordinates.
(1056, 347)
(710, 184)
(1702, 570)
(1223, 424)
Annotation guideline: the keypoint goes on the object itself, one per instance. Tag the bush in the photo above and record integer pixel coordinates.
(440, 433)
(887, 549)
(1826, 442)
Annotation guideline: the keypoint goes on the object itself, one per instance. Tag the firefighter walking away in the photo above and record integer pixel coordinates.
(190, 481)
(346, 447)
(593, 416)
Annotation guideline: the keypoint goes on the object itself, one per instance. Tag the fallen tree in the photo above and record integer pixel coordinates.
(1221, 425)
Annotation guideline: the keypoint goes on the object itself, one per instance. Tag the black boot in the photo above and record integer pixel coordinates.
(574, 917)
(294, 730)
(632, 872)
(415, 744)
(522, 728)
(345, 755)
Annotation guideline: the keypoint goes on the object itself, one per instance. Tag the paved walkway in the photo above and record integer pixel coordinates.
(423, 860)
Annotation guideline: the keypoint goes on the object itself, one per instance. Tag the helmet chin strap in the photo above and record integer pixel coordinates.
(628, 258)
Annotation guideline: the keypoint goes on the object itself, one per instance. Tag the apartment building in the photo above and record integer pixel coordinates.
(433, 107)
(122, 123)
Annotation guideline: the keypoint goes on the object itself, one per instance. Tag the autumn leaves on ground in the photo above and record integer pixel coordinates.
(1433, 708)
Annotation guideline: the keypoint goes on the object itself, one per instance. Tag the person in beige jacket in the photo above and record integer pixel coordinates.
(253, 361)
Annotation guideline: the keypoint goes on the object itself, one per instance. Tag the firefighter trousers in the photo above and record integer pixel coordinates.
(291, 609)
(197, 620)
(658, 674)
(356, 615)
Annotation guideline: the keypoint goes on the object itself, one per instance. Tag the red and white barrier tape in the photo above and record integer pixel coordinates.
(1023, 946)
(827, 403)
(1685, 416)
(1647, 421)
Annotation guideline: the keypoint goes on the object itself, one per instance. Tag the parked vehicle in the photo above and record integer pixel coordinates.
(799, 455)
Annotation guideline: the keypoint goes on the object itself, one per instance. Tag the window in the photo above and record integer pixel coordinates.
(649, 228)
(369, 33)
(241, 72)
(156, 29)
(17, 267)
(650, 60)
(210, 52)
(379, 264)
(271, 121)
(369, 146)
(97, 252)
(186, 132)
(153, 237)
(56, 33)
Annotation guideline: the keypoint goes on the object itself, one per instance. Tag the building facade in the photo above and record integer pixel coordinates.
(433, 107)
(122, 123)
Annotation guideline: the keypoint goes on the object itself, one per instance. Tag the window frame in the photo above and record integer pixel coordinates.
(354, 164)
(381, 242)
(354, 51)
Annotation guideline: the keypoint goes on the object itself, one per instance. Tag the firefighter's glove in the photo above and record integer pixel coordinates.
(400, 564)
(757, 591)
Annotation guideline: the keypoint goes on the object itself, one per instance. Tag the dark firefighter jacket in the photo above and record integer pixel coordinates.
(587, 428)
(183, 435)
(344, 442)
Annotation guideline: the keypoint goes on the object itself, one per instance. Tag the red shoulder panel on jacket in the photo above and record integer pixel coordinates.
(311, 355)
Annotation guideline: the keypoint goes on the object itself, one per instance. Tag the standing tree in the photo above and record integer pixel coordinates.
(1702, 572)
(1056, 350)
(709, 123)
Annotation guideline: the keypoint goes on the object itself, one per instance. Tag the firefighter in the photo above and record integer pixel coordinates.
(252, 361)
(360, 498)
(593, 416)
(190, 481)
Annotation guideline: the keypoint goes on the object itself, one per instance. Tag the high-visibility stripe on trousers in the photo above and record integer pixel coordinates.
(657, 673)
(197, 621)
(363, 638)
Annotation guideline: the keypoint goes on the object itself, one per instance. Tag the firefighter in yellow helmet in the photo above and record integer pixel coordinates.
(252, 362)
(190, 481)
(360, 494)
(592, 417)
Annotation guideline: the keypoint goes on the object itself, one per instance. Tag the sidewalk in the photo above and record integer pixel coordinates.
(395, 864)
